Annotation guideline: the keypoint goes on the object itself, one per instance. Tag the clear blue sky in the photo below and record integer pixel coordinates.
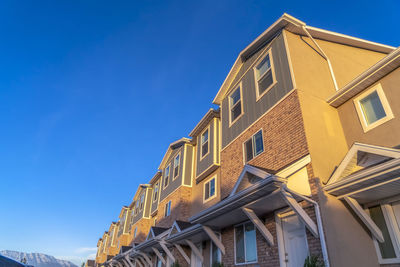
(92, 93)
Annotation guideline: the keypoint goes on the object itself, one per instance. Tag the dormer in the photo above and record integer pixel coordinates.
(123, 221)
(176, 167)
(206, 136)
(155, 183)
(140, 207)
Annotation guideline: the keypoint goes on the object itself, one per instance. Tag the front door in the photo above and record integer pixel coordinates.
(194, 259)
(294, 239)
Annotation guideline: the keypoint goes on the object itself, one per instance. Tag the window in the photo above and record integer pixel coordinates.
(264, 75)
(254, 146)
(245, 243)
(235, 105)
(155, 195)
(166, 176)
(204, 143)
(373, 108)
(387, 218)
(141, 201)
(215, 254)
(168, 209)
(177, 162)
(135, 232)
(209, 189)
(137, 207)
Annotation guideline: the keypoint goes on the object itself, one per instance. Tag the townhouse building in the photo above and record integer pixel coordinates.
(299, 161)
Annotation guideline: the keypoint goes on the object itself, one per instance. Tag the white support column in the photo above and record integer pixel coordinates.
(303, 216)
(195, 250)
(128, 261)
(183, 253)
(146, 258)
(214, 238)
(169, 254)
(159, 255)
(260, 226)
(368, 222)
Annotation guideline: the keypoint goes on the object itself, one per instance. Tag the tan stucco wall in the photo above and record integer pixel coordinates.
(386, 134)
(325, 137)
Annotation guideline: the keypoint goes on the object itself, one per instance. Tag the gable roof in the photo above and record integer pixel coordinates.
(179, 226)
(138, 190)
(296, 26)
(362, 156)
(211, 113)
(155, 177)
(171, 147)
(155, 231)
(250, 175)
(367, 78)
(122, 211)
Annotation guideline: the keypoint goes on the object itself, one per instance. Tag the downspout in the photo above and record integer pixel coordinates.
(304, 27)
(319, 222)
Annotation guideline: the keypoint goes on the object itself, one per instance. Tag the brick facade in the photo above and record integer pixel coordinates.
(143, 228)
(284, 142)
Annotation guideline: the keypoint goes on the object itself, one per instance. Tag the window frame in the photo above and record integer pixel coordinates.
(244, 236)
(394, 231)
(135, 232)
(201, 143)
(169, 174)
(215, 246)
(241, 104)
(255, 70)
(167, 208)
(215, 189)
(174, 176)
(253, 146)
(142, 201)
(385, 104)
(156, 193)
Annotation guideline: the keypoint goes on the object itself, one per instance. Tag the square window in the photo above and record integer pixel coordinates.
(235, 105)
(204, 143)
(253, 146)
(373, 108)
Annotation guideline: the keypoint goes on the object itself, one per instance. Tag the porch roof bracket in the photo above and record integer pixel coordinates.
(260, 226)
(143, 261)
(167, 251)
(214, 238)
(368, 222)
(159, 255)
(127, 260)
(138, 262)
(183, 253)
(145, 257)
(195, 250)
(291, 201)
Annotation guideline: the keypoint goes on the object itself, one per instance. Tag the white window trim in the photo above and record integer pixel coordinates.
(219, 251)
(169, 176)
(241, 104)
(244, 147)
(386, 107)
(208, 143)
(140, 204)
(154, 191)
(271, 60)
(179, 166)
(135, 232)
(234, 244)
(204, 189)
(394, 233)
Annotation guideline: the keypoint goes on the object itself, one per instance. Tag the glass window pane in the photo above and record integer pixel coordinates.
(212, 187)
(204, 137)
(236, 111)
(372, 108)
(251, 245)
(265, 82)
(204, 149)
(258, 143)
(235, 96)
(248, 150)
(386, 248)
(207, 191)
(264, 65)
(239, 237)
(215, 254)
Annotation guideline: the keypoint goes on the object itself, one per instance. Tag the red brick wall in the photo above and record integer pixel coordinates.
(180, 207)
(143, 228)
(284, 142)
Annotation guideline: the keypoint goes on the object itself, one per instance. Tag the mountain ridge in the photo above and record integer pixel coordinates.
(37, 259)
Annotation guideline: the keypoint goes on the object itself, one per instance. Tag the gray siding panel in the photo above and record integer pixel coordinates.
(208, 160)
(188, 167)
(173, 183)
(154, 205)
(255, 109)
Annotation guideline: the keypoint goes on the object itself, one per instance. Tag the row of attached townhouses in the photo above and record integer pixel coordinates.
(300, 161)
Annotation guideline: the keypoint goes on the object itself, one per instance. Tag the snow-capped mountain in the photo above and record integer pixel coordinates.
(37, 259)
